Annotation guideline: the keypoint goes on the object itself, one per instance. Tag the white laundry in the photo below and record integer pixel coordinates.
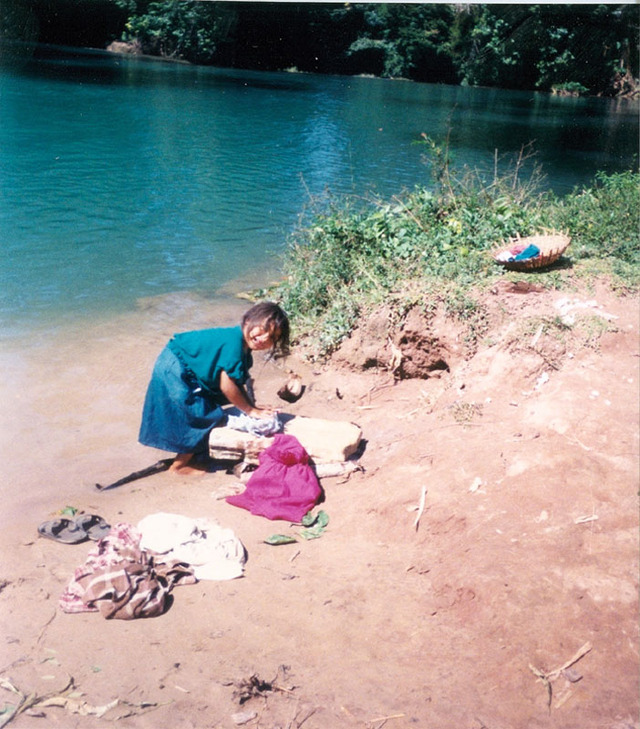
(214, 552)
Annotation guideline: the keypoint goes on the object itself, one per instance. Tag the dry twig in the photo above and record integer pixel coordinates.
(384, 720)
(546, 677)
(423, 496)
(300, 722)
(27, 701)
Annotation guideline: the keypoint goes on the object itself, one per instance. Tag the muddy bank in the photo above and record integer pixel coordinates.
(525, 552)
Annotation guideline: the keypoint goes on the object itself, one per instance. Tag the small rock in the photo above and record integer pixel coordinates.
(477, 482)
(292, 390)
(243, 717)
(571, 674)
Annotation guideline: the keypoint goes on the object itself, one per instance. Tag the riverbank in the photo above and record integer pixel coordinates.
(524, 556)
(624, 84)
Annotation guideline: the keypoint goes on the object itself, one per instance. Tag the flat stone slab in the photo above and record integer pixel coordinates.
(326, 441)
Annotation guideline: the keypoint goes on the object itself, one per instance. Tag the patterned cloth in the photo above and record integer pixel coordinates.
(122, 581)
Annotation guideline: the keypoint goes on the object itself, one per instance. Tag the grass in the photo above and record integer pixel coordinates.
(431, 247)
(465, 412)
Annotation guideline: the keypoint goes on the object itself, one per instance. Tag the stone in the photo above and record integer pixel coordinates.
(326, 441)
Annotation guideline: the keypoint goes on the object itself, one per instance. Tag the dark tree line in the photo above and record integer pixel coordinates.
(572, 48)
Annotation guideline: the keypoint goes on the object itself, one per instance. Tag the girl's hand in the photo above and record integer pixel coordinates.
(238, 397)
(258, 412)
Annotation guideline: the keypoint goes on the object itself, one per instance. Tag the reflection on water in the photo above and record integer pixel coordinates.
(124, 179)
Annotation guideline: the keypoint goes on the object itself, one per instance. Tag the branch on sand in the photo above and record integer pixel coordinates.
(548, 676)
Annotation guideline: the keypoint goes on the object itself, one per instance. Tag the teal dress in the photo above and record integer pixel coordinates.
(183, 400)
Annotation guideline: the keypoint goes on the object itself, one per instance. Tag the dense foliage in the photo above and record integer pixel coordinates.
(434, 245)
(568, 48)
(545, 46)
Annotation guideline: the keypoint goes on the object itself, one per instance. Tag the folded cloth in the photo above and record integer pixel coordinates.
(518, 253)
(214, 553)
(284, 486)
(136, 588)
(121, 580)
(530, 251)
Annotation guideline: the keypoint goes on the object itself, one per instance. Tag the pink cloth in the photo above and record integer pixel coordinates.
(284, 486)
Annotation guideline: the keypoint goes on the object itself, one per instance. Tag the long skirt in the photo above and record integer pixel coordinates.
(177, 415)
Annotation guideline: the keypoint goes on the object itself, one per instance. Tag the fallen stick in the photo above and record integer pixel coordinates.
(548, 676)
(157, 467)
(423, 496)
(578, 655)
(385, 719)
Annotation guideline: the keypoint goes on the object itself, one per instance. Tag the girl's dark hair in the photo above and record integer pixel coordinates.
(270, 316)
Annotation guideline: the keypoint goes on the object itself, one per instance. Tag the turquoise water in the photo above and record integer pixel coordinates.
(123, 179)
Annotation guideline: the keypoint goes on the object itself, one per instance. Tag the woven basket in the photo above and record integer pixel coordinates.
(551, 245)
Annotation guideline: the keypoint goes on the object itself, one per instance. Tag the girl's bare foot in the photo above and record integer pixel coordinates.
(181, 465)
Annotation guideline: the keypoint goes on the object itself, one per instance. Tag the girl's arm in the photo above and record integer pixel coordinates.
(236, 396)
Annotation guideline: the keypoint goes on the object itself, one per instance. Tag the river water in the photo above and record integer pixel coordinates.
(124, 179)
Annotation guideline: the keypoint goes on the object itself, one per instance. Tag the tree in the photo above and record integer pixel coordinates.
(188, 30)
(18, 32)
(83, 23)
(542, 46)
(592, 48)
(406, 40)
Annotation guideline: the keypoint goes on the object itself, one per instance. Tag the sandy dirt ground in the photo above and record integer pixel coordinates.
(524, 558)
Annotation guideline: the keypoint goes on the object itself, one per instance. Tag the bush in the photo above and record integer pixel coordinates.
(348, 258)
(570, 88)
(604, 220)
(187, 30)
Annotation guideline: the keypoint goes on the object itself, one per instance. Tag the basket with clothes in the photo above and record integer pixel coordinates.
(534, 251)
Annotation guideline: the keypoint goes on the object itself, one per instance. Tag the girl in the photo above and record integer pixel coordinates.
(199, 371)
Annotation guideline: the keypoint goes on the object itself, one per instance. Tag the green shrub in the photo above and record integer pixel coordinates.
(570, 88)
(433, 244)
(604, 220)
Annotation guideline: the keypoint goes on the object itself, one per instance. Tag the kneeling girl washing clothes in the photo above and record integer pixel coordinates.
(198, 372)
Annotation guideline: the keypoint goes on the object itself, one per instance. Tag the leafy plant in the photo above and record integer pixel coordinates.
(314, 526)
(570, 88)
(431, 245)
(604, 220)
(188, 30)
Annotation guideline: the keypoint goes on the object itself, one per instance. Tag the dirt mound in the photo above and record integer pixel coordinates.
(422, 345)
(516, 317)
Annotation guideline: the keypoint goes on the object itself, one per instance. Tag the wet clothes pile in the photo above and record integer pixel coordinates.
(214, 553)
(123, 578)
(122, 581)
(263, 427)
(284, 486)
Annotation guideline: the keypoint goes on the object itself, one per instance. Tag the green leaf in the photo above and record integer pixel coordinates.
(319, 522)
(276, 539)
(323, 519)
(320, 519)
(313, 533)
